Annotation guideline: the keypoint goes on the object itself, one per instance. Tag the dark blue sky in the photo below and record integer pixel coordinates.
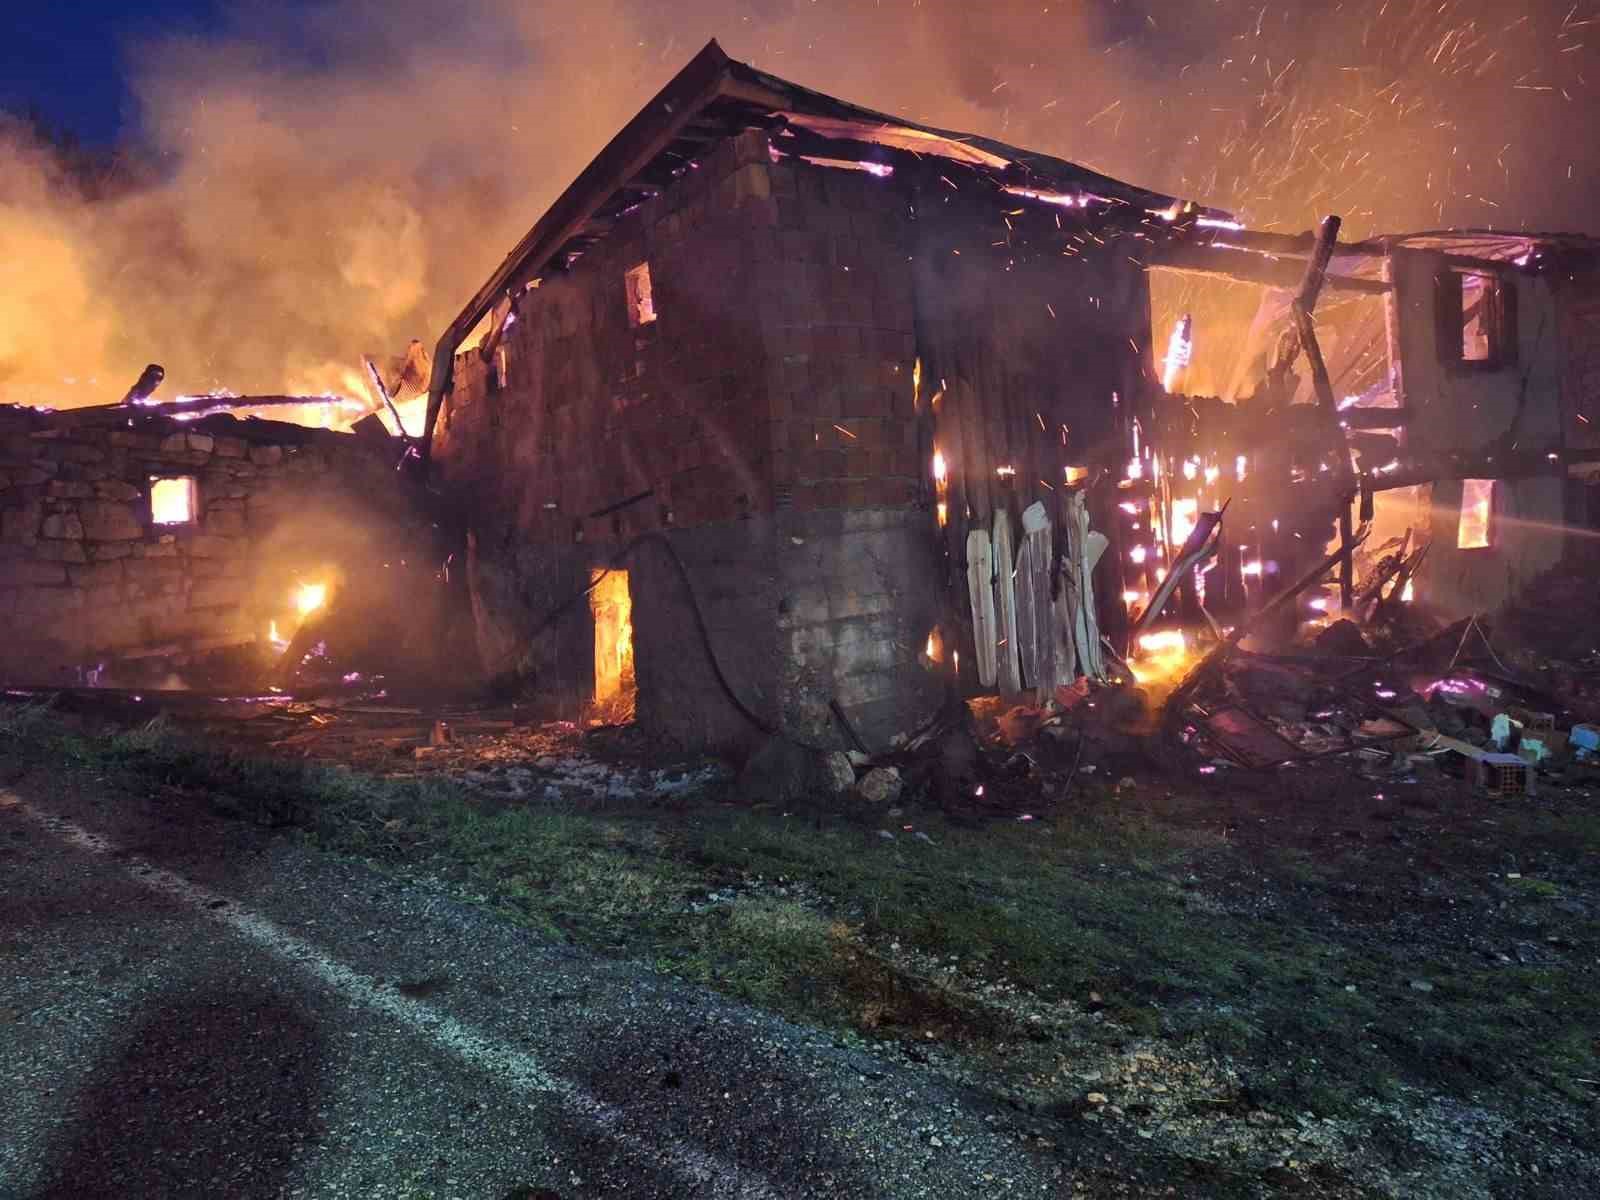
(67, 57)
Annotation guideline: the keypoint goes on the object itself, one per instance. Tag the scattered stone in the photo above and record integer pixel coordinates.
(837, 775)
(1098, 1098)
(881, 785)
(1421, 985)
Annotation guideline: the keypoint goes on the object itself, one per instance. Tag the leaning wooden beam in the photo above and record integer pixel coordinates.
(1009, 674)
(375, 381)
(1037, 639)
(1317, 264)
(1082, 553)
(1305, 302)
(980, 592)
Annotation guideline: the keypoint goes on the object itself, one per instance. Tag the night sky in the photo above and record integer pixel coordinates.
(67, 59)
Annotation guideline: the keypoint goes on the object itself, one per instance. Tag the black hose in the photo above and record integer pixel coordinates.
(656, 535)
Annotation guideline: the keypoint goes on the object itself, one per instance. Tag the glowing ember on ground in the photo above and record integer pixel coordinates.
(1163, 660)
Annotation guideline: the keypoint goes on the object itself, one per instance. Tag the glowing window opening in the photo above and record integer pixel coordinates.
(172, 500)
(1477, 507)
(641, 301)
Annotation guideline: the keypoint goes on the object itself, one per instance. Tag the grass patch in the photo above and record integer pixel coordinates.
(799, 913)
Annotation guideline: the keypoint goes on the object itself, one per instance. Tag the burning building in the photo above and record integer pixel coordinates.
(790, 366)
(791, 416)
(173, 543)
(832, 415)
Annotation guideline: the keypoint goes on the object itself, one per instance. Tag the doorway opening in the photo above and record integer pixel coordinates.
(611, 604)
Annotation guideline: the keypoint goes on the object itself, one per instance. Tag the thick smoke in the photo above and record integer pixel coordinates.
(340, 178)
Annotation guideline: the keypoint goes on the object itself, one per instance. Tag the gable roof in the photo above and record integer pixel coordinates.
(715, 97)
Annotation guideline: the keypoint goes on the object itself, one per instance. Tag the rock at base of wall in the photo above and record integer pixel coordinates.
(880, 786)
(780, 772)
(838, 776)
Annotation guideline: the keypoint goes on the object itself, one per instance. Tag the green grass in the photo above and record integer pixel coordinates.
(1319, 1011)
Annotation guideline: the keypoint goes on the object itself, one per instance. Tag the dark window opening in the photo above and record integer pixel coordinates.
(1476, 311)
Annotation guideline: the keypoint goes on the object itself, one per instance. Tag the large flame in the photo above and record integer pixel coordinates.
(309, 597)
(1163, 659)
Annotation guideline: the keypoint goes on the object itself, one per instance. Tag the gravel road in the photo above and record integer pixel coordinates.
(192, 1007)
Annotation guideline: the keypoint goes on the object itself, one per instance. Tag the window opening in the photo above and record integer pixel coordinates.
(1477, 507)
(641, 303)
(172, 500)
(1476, 312)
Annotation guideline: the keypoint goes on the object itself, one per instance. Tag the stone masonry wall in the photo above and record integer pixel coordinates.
(87, 577)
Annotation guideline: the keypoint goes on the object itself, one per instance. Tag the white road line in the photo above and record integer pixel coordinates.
(477, 1050)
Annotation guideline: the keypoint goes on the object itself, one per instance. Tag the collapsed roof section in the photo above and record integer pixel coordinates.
(715, 97)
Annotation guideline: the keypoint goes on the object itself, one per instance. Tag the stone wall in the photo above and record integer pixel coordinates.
(87, 578)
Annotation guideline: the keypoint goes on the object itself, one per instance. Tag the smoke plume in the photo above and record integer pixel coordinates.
(339, 178)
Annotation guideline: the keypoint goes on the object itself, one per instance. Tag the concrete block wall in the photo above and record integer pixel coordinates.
(87, 577)
(838, 324)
